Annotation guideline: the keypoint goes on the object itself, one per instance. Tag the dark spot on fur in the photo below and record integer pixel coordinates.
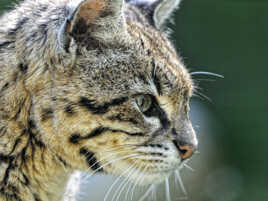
(142, 43)
(46, 114)
(91, 159)
(23, 67)
(74, 139)
(69, 110)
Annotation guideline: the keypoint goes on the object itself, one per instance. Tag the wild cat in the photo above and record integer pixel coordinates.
(90, 85)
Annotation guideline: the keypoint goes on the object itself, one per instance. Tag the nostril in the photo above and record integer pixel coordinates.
(186, 151)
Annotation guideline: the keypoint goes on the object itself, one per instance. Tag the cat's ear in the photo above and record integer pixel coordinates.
(101, 20)
(156, 11)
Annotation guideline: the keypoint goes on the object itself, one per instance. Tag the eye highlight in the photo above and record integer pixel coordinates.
(144, 102)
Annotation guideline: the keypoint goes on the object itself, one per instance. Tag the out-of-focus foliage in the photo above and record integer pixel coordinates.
(229, 37)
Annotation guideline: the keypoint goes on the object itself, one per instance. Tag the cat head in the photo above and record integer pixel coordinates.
(122, 99)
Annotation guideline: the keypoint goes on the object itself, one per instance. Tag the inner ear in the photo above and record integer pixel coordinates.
(85, 14)
(94, 18)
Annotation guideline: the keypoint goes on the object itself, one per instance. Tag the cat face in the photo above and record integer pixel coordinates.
(123, 106)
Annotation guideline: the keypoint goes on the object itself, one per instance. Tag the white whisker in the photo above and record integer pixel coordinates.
(138, 180)
(154, 198)
(112, 161)
(149, 190)
(115, 182)
(206, 73)
(189, 167)
(128, 190)
(167, 190)
(125, 182)
(103, 158)
(178, 176)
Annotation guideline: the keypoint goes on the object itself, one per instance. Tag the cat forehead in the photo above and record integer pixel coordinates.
(143, 68)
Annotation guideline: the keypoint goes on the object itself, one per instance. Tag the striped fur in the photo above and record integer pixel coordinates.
(70, 74)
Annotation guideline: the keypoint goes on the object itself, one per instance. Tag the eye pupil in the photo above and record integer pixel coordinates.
(144, 102)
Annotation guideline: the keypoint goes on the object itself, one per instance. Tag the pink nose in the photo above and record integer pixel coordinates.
(186, 151)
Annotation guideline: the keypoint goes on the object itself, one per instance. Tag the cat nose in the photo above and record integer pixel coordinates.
(186, 151)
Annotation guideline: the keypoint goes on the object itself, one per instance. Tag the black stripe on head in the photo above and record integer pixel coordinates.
(156, 111)
(155, 78)
(100, 109)
(91, 159)
(76, 137)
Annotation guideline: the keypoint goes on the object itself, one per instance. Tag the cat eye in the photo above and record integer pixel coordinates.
(144, 102)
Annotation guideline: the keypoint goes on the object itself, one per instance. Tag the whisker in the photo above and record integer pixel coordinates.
(189, 167)
(125, 182)
(202, 96)
(138, 180)
(110, 162)
(167, 190)
(178, 176)
(115, 182)
(103, 158)
(149, 190)
(154, 198)
(128, 190)
(206, 73)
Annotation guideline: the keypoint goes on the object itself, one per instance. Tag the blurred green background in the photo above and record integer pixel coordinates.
(228, 37)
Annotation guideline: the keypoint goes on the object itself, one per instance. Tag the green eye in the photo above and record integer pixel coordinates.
(144, 102)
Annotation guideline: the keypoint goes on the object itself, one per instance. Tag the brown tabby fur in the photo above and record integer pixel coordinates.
(67, 102)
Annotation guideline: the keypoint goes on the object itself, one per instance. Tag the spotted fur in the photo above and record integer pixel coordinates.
(70, 75)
